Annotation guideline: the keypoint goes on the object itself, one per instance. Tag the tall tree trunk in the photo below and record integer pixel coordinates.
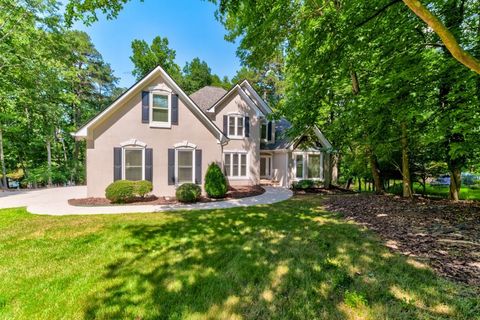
(49, 162)
(2, 161)
(407, 184)
(377, 178)
(455, 184)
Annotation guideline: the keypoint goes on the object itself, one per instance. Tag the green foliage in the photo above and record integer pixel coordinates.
(216, 185)
(146, 57)
(354, 299)
(188, 193)
(120, 191)
(143, 187)
(304, 184)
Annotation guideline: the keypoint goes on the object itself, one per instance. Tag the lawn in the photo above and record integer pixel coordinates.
(290, 260)
(466, 193)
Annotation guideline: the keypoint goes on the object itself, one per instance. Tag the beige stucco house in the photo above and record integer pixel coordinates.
(156, 132)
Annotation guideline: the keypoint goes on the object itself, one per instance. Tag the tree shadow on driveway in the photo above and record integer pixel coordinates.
(291, 260)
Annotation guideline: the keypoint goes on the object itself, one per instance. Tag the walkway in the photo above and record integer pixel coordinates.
(54, 201)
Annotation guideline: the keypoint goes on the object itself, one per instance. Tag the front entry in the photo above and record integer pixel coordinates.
(265, 166)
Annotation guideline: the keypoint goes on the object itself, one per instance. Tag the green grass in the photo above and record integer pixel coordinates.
(290, 260)
(466, 193)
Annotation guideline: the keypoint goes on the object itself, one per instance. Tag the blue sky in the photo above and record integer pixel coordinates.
(189, 25)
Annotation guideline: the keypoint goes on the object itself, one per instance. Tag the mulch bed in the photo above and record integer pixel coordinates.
(327, 191)
(443, 234)
(233, 193)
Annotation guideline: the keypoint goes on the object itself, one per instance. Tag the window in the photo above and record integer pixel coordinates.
(185, 166)
(299, 166)
(236, 126)
(308, 165)
(133, 164)
(235, 165)
(313, 166)
(160, 109)
(263, 131)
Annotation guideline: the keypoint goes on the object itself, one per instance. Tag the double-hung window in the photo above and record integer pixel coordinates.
(313, 166)
(235, 165)
(264, 131)
(236, 126)
(299, 166)
(160, 109)
(134, 164)
(185, 167)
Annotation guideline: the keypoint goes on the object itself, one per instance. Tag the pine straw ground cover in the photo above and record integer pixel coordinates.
(443, 234)
(290, 260)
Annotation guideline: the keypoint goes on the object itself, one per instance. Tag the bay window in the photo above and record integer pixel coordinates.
(308, 165)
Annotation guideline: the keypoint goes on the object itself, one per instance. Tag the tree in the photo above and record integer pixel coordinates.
(196, 75)
(86, 11)
(146, 57)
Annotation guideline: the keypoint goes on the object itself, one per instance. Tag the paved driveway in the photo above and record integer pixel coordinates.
(54, 201)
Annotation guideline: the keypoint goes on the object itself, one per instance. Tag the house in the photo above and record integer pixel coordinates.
(155, 131)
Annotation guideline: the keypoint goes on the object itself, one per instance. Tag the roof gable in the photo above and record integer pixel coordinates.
(85, 131)
(236, 89)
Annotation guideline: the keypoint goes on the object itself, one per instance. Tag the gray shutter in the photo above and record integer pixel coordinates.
(149, 164)
(117, 164)
(225, 125)
(145, 106)
(247, 126)
(174, 109)
(269, 131)
(171, 166)
(198, 166)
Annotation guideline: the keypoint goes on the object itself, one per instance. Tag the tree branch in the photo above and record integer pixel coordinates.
(376, 14)
(445, 35)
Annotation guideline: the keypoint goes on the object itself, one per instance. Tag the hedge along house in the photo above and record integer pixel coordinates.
(156, 132)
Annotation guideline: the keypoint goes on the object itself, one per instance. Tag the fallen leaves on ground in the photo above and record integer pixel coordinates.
(443, 234)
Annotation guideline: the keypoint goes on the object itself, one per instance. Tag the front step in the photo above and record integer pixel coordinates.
(269, 183)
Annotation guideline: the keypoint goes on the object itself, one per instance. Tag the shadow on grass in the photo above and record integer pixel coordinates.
(290, 260)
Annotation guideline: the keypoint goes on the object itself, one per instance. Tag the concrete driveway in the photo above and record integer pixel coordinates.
(54, 201)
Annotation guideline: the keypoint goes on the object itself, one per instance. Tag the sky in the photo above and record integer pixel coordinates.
(189, 25)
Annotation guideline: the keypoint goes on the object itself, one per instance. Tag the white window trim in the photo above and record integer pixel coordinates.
(270, 167)
(305, 155)
(177, 183)
(133, 147)
(237, 117)
(231, 153)
(160, 124)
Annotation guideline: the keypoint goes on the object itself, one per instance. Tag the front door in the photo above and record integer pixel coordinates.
(265, 166)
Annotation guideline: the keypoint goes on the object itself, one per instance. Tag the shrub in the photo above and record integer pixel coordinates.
(120, 191)
(143, 187)
(215, 182)
(304, 185)
(188, 193)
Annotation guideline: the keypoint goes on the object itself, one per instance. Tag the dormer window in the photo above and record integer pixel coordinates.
(236, 126)
(266, 134)
(160, 110)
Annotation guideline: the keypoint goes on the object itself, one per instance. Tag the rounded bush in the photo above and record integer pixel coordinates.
(304, 184)
(188, 193)
(120, 191)
(143, 187)
(215, 182)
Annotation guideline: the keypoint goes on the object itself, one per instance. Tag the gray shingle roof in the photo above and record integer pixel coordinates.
(282, 141)
(207, 96)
